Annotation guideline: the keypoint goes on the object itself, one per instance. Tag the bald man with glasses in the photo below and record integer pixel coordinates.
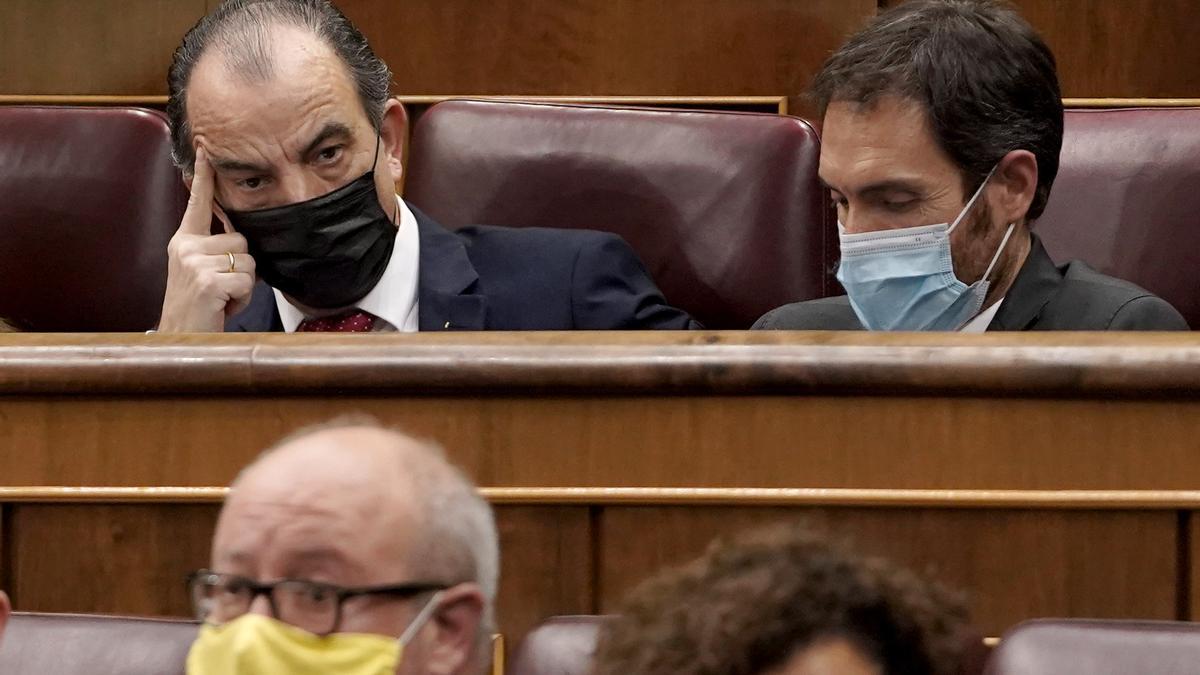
(351, 550)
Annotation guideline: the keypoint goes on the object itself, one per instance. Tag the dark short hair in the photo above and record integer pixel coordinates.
(240, 29)
(986, 79)
(749, 605)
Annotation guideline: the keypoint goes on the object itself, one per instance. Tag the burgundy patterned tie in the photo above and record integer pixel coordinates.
(354, 321)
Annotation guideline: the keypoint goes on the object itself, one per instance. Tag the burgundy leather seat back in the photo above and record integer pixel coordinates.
(563, 645)
(725, 209)
(1127, 200)
(1094, 647)
(89, 199)
(73, 644)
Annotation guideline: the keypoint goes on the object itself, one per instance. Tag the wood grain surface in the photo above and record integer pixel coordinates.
(949, 453)
(778, 410)
(1119, 48)
(1105, 48)
(1012, 564)
(1062, 365)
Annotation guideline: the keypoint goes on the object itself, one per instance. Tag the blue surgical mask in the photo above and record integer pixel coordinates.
(903, 279)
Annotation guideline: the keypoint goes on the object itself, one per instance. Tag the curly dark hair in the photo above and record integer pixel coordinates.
(748, 605)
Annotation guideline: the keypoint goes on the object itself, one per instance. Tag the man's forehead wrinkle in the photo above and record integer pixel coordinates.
(264, 139)
(276, 118)
(887, 141)
(291, 533)
(351, 482)
(330, 497)
(368, 481)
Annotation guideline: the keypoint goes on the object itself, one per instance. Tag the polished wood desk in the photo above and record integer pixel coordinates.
(1046, 474)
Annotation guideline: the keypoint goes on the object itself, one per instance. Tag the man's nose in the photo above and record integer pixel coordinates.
(300, 186)
(850, 222)
(261, 605)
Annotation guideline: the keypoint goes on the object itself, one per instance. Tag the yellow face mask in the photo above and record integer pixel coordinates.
(254, 644)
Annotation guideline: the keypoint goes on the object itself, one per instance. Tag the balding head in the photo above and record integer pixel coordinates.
(289, 103)
(357, 505)
(243, 34)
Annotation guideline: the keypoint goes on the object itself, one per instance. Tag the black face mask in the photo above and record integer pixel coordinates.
(327, 252)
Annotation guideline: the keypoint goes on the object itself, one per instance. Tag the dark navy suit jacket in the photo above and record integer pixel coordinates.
(497, 278)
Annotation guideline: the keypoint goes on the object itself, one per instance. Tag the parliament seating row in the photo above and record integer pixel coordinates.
(724, 208)
(67, 644)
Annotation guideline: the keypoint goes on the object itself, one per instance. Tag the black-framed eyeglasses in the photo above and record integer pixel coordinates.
(313, 606)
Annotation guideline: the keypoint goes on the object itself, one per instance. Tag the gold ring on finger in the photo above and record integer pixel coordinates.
(232, 262)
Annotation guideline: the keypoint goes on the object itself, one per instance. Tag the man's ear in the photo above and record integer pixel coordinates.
(1014, 185)
(394, 137)
(455, 642)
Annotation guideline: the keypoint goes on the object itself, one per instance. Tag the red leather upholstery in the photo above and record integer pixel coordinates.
(75, 644)
(88, 200)
(723, 208)
(1127, 200)
(1093, 647)
(563, 645)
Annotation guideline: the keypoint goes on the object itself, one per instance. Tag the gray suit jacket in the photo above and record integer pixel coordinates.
(1043, 297)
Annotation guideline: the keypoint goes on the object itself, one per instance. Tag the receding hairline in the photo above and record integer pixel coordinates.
(321, 19)
(247, 46)
(236, 60)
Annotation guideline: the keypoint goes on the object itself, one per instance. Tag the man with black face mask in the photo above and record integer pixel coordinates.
(283, 126)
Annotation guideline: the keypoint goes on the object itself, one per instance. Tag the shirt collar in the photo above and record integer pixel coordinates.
(983, 319)
(394, 297)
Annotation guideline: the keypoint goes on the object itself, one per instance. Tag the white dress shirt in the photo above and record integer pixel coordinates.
(982, 320)
(394, 298)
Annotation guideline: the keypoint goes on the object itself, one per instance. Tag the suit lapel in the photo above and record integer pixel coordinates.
(448, 286)
(260, 316)
(1034, 287)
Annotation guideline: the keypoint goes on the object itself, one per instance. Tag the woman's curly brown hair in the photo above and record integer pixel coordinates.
(746, 606)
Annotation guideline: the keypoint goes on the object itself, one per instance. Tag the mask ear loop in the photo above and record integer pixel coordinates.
(375, 157)
(974, 198)
(375, 165)
(1000, 250)
(420, 619)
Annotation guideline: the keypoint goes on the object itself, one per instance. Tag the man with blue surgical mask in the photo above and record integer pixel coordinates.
(348, 550)
(942, 126)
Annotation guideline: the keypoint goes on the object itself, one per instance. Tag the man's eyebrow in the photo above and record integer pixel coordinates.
(891, 186)
(873, 189)
(226, 164)
(330, 130)
(238, 557)
(299, 561)
(317, 553)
